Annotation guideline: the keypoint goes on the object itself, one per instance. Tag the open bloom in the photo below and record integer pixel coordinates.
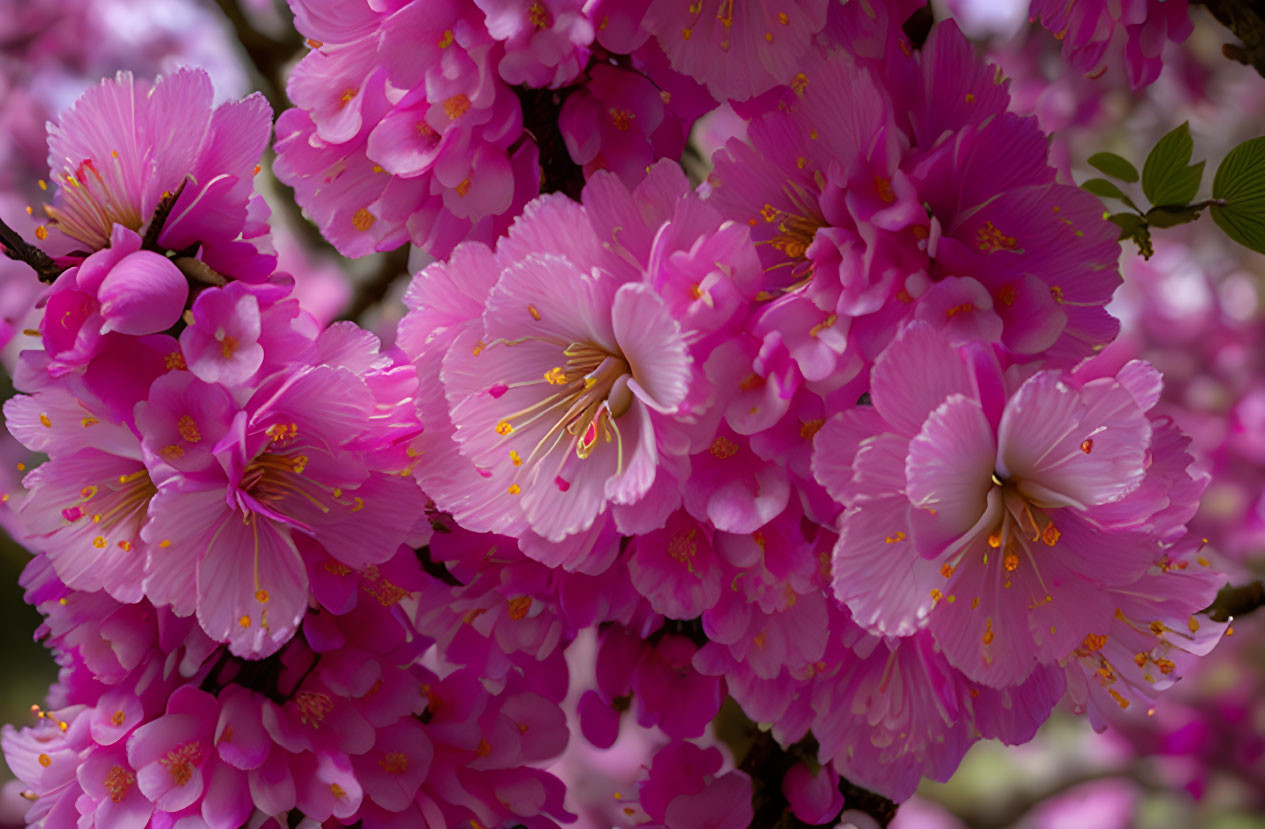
(570, 367)
(237, 486)
(126, 146)
(577, 369)
(998, 512)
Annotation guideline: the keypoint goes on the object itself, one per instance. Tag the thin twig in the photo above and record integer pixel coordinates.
(1246, 19)
(1233, 602)
(268, 55)
(374, 289)
(19, 250)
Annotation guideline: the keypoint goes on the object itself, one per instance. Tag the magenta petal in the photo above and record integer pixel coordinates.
(948, 473)
(1069, 448)
(914, 375)
(598, 721)
(143, 294)
(252, 592)
(814, 797)
(652, 343)
(227, 804)
(877, 573)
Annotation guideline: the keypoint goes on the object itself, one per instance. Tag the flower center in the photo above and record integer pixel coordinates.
(585, 399)
(1020, 523)
(182, 760)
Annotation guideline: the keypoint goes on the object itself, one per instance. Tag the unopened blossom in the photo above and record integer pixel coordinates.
(121, 289)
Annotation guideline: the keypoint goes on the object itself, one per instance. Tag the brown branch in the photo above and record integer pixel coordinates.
(766, 762)
(1232, 602)
(18, 249)
(373, 290)
(1246, 19)
(268, 56)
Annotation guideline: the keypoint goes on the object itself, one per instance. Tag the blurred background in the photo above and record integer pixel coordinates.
(1194, 309)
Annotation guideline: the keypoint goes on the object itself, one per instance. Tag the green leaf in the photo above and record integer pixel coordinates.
(1167, 177)
(1102, 188)
(1240, 183)
(1114, 166)
(1128, 223)
(1171, 216)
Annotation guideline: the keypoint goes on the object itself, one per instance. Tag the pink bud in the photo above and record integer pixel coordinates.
(143, 294)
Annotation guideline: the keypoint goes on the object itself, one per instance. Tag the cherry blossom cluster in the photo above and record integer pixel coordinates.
(831, 443)
(839, 406)
(1129, 35)
(423, 121)
(225, 525)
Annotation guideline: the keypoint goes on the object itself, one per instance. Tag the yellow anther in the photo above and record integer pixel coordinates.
(1050, 535)
(188, 428)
